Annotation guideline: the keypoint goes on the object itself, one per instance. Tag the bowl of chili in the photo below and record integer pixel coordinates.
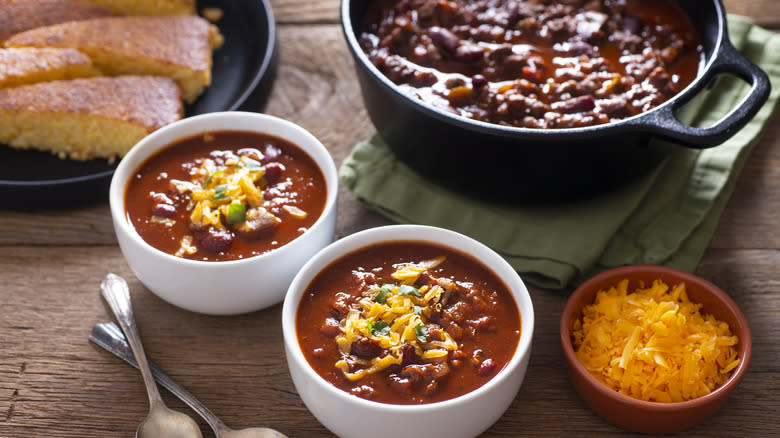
(653, 349)
(216, 213)
(540, 98)
(407, 330)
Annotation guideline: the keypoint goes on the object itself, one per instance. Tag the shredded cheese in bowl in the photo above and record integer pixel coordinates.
(654, 344)
(394, 315)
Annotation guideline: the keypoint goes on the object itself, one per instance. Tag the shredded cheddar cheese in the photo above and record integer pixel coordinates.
(653, 343)
(394, 315)
(239, 181)
(227, 195)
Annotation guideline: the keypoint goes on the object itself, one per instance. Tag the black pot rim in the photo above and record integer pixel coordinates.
(552, 134)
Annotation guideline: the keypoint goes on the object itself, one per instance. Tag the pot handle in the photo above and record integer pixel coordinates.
(665, 123)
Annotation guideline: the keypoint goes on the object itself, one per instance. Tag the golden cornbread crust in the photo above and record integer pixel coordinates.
(21, 15)
(30, 65)
(87, 118)
(149, 7)
(176, 46)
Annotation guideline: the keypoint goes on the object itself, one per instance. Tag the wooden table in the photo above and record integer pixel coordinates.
(53, 382)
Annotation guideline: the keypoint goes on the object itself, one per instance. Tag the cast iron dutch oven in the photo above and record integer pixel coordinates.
(521, 163)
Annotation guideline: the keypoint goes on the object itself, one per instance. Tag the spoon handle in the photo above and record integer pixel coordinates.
(110, 337)
(117, 295)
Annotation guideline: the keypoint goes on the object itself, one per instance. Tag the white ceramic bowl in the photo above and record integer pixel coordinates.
(222, 287)
(349, 416)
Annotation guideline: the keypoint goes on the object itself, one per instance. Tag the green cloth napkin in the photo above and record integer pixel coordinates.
(666, 218)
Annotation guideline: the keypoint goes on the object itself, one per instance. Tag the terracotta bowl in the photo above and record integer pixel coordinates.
(643, 416)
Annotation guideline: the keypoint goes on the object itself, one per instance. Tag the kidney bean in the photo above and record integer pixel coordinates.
(271, 153)
(615, 107)
(478, 81)
(330, 328)
(161, 198)
(365, 348)
(468, 53)
(578, 104)
(273, 172)
(444, 38)
(164, 210)
(215, 240)
(486, 367)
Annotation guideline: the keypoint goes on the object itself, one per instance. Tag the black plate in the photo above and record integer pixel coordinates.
(242, 74)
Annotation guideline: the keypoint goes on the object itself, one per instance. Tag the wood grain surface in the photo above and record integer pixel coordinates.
(54, 383)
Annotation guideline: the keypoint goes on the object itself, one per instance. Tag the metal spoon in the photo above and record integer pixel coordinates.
(108, 336)
(161, 421)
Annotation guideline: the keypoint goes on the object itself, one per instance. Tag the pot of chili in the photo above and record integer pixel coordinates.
(539, 98)
(407, 323)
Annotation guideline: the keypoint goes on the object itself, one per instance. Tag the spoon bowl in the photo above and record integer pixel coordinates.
(251, 432)
(111, 338)
(165, 422)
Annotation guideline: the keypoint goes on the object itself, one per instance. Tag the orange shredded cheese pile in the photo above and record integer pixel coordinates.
(653, 344)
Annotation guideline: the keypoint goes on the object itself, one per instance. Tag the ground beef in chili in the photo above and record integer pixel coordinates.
(535, 64)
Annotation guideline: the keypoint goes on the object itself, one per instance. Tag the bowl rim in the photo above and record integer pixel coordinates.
(148, 147)
(406, 233)
(551, 134)
(745, 348)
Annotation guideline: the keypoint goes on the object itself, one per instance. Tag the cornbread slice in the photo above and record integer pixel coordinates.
(21, 15)
(176, 46)
(149, 7)
(30, 65)
(87, 118)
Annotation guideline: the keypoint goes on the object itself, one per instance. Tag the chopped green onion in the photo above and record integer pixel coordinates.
(208, 180)
(220, 192)
(378, 327)
(236, 212)
(417, 310)
(409, 290)
(381, 297)
(421, 332)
